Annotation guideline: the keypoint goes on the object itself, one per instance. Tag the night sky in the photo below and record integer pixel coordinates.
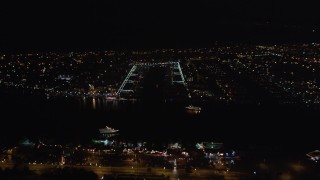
(46, 25)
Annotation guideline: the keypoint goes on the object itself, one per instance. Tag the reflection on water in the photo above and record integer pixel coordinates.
(94, 103)
(97, 103)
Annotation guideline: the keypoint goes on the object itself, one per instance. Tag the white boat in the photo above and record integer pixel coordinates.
(108, 130)
(193, 108)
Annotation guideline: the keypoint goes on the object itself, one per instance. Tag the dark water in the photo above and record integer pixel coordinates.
(76, 120)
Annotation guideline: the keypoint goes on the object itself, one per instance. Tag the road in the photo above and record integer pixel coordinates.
(141, 171)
